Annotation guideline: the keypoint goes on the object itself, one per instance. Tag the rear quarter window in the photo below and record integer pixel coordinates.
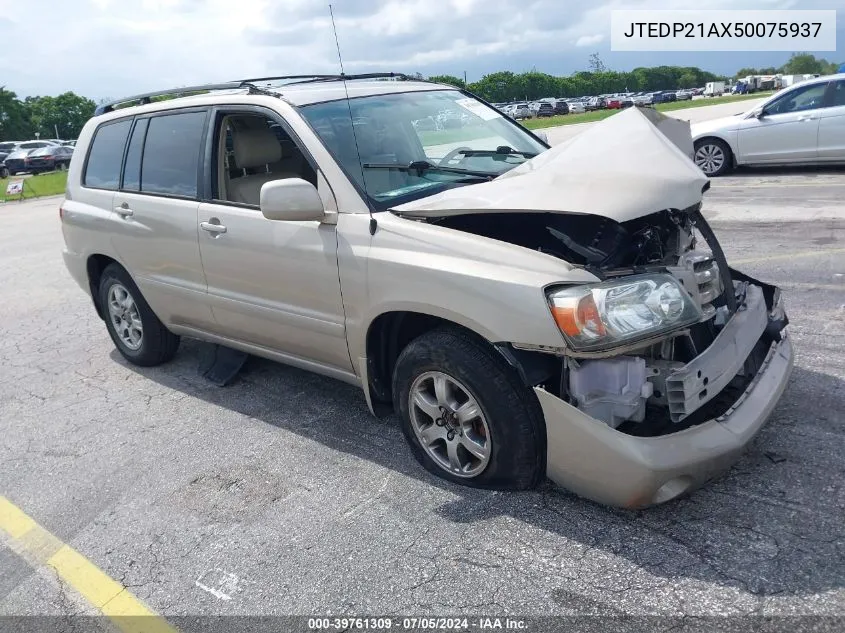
(102, 171)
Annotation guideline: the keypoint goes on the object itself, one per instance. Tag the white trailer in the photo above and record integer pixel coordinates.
(714, 89)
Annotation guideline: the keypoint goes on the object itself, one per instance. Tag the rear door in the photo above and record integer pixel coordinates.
(155, 211)
(832, 123)
(787, 131)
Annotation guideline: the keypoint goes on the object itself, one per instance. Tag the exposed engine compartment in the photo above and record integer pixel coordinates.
(647, 389)
(592, 241)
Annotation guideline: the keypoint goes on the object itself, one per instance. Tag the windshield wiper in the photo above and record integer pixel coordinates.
(502, 150)
(422, 166)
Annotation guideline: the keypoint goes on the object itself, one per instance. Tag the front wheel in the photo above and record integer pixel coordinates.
(136, 331)
(4, 173)
(713, 156)
(466, 415)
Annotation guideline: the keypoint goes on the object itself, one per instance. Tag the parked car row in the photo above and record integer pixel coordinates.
(550, 106)
(34, 156)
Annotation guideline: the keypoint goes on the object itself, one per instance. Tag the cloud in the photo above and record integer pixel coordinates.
(589, 40)
(111, 48)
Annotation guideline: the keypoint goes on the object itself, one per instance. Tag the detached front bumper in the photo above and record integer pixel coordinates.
(611, 467)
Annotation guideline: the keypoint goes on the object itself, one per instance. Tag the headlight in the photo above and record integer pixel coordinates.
(620, 311)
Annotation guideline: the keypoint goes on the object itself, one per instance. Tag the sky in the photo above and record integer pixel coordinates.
(113, 48)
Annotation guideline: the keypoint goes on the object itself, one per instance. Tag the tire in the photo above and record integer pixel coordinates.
(62, 167)
(713, 156)
(508, 436)
(4, 173)
(155, 343)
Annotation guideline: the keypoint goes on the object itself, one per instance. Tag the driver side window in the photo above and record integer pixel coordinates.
(252, 150)
(807, 98)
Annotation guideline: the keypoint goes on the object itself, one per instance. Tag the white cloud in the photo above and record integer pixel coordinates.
(589, 40)
(111, 48)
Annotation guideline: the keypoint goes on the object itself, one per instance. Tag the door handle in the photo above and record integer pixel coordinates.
(213, 227)
(124, 211)
(807, 117)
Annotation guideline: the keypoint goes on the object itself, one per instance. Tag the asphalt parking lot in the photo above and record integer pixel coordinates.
(280, 494)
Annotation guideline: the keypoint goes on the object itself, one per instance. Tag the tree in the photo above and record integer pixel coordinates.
(448, 79)
(65, 114)
(687, 80)
(804, 63)
(14, 118)
(596, 65)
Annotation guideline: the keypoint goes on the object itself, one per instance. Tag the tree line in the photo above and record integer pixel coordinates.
(63, 116)
(798, 64)
(51, 117)
(508, 86)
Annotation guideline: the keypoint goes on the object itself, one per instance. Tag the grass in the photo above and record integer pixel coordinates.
(49, 184)
(598, 115)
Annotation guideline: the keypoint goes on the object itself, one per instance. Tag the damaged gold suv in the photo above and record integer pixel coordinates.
(528, 312)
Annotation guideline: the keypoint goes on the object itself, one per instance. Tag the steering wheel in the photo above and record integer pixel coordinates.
(448, 158)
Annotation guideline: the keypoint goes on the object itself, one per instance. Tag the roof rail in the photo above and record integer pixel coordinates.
(147, 97)
(343, 77)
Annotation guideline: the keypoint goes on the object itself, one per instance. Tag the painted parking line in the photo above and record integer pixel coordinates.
(800, 255)
(40, 548)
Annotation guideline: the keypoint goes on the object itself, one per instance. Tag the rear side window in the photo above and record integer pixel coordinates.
(132, 170)
(103, 168)
(171, 155)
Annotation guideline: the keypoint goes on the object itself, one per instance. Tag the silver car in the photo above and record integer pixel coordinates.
(803, 124)
(527, 312)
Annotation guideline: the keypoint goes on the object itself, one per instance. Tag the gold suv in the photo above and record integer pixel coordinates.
(528, 312)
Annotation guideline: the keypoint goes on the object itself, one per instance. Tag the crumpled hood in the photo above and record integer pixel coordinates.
(631, 164)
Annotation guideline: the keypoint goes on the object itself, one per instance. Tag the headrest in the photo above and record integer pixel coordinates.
(255, 147)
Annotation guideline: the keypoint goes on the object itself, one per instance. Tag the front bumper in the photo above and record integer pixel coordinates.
(611, 467)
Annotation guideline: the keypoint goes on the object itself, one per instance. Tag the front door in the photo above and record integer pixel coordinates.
(272, 284)
(787, 131)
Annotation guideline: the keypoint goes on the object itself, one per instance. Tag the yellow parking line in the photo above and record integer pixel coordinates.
(40, 548)
(769, 258)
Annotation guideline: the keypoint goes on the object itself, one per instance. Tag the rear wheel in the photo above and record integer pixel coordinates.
(62, 167)
(136, 331)
(4, 172)
(713, 156)
(466, 415)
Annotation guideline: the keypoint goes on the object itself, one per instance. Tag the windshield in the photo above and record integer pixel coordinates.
(43, 151)
(448, 138)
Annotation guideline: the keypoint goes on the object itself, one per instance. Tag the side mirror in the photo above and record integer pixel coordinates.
(291, 199)
(758, 114)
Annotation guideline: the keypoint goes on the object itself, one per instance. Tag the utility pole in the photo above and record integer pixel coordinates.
(56, 127)
(465, 78)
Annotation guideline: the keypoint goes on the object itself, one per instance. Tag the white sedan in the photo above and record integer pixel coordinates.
(802, 124)
(576, 107)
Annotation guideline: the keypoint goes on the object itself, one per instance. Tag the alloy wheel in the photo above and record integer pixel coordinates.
(450, 424)
(125, 318)
(710, 158)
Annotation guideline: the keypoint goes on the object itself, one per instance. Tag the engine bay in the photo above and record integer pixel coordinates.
(689, 375)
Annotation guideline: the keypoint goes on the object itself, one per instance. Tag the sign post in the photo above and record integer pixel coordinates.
(15, 188)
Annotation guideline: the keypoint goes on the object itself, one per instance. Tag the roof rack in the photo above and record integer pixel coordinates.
(343, 77)
(147, 97)
(249, 84)
(340, 77)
